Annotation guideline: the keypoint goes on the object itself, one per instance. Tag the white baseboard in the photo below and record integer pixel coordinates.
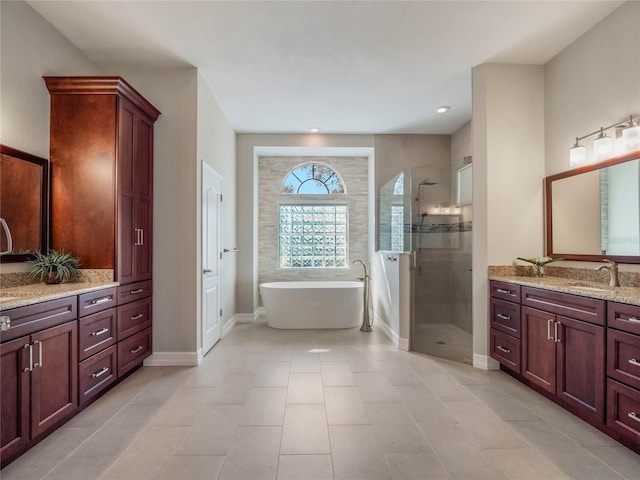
(260, 311)
(226, 328)
(485, 362)
(244, 318)
(386, 329)
(403, 344)
(174, 359)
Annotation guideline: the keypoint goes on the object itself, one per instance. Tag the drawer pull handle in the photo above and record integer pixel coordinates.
(558, 340)
(137, 349)
(98, 301)
(138, 290)
(102, 331)
(39, 363)
(633, 416)
(502, 290)
(503, 317)
(100, 373)
(502, 349)
(634, 320)
(633, 361)
(137, 317)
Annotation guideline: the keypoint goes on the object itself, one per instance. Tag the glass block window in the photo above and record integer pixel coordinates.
(312, 179)
(397, 228)
(313, 236)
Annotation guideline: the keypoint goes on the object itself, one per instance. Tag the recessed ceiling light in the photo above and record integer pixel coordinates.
(443, 109)
(314, 130)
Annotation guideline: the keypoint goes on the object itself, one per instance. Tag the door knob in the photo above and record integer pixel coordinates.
(206, 270)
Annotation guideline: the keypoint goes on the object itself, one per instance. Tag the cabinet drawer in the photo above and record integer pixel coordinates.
(96, 332)
(624, 317)
(97, 373)
(505, 316)
(590, 310)
(133, 350)
(505, 291)
(623, 357)
(36, 317)
(505, 349)
(94, 302)
(133, 317)
(134, 291)
(623, 410)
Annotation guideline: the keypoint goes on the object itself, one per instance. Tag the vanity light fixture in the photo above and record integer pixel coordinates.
(456, 209)
(447, 210)
(577, 155)
(436, 209)
(631, 136)
(603, 146)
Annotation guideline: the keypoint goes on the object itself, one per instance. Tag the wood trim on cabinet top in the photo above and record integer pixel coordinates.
(101, 86)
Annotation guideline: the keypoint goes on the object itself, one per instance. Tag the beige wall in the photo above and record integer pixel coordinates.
(30, 48)
(592, 83)
(508, 168)
(217, 147)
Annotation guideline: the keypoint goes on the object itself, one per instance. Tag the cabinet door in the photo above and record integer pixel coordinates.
(54, 380)
(539, 348)
(14, 395)
(125, 272)
(143, 175)
(581, 366)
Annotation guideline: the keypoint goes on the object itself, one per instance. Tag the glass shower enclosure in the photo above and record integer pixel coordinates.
(427, 211)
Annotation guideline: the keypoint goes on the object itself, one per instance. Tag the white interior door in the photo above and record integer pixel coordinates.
(211, 257)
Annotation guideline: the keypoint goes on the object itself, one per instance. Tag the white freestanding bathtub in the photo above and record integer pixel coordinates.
(321, 304)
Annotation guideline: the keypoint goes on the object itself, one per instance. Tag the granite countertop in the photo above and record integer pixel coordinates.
(24, 295)
(630, 295)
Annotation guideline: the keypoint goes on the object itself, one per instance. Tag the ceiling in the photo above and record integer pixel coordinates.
(340, 66)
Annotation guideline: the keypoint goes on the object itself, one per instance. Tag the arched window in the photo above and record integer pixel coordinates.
(313, 233)
(398, 187)
(312, 179)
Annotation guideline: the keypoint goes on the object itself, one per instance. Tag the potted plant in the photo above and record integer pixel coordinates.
(54, 267)
(538, 263)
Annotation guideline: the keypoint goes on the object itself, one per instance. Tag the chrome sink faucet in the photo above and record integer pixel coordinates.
(612, 268)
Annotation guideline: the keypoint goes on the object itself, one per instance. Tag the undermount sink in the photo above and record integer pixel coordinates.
(589, 288)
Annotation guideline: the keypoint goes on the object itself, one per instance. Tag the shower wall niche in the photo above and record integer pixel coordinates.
(419, 212)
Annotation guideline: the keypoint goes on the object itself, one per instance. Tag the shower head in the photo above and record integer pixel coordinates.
(427, 182)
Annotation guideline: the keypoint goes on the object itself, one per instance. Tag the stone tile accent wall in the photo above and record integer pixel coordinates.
(271, 172)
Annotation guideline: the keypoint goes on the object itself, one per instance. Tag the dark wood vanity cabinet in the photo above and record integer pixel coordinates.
(582, 352)
(102, 174)
(623, 371)
(38, 371)
(562, 345)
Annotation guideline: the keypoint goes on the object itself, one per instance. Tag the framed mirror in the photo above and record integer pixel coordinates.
(593, 212)
(24, 204)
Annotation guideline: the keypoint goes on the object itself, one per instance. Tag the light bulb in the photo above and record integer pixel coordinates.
(436, 209)
(631, 137)
(456, 209)
(447, 210)
(577, 155)
(602, 147)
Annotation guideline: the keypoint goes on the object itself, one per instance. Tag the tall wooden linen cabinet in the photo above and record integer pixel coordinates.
(102, 194)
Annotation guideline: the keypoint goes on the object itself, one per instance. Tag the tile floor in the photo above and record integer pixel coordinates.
(443, 340)
(316, 405)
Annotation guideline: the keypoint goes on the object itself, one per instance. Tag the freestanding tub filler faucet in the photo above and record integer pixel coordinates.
(366, 321)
